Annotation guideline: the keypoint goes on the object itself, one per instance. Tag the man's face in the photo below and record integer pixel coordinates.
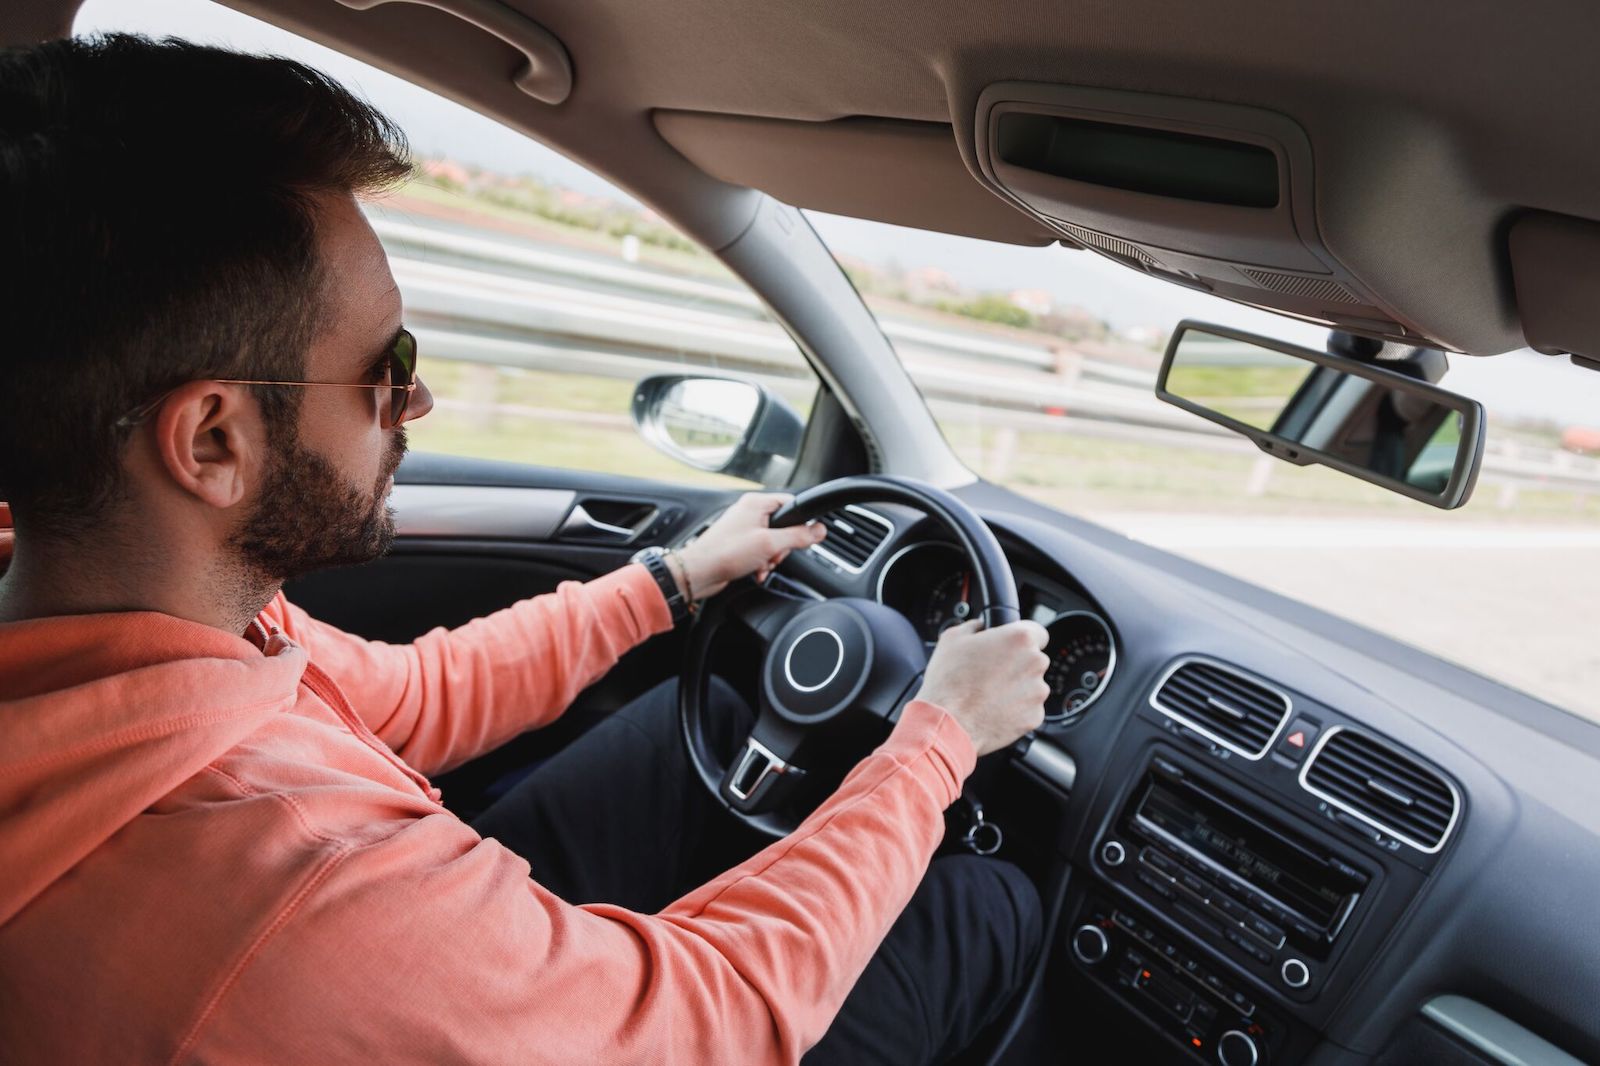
(325, 487)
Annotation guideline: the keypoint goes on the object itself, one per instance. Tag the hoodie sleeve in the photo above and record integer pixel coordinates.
(432, 945)
(453, 694)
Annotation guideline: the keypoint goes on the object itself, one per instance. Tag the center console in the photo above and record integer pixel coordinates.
(1256, 852)
(1211, 867)
(1221, 916)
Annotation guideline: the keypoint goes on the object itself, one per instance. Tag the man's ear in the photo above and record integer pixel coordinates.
(209, 437)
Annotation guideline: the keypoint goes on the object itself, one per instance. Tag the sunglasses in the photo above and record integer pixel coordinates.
(400, 380)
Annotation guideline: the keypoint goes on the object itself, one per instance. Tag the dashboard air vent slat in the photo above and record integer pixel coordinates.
(854, 536)
(1382, 787)
(1221, 703)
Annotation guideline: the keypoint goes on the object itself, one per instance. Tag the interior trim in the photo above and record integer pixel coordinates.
(546, 72)
(1493, 1034)
(479, 511)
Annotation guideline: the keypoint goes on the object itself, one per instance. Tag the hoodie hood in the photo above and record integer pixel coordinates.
(102, 715)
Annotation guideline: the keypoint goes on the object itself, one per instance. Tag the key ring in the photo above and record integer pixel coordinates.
(982, 838)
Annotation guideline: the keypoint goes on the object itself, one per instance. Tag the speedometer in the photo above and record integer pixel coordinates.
(1082, 656)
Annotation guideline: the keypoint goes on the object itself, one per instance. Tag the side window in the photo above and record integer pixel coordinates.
(539, 293)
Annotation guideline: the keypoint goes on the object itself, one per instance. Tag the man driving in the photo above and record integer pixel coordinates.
(219, 836)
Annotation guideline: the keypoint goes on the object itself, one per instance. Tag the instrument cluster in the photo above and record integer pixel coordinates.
(931, 583)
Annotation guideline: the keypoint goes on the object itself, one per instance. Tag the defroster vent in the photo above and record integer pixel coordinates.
(1223, 705)
(1382, 787)
(854, 536)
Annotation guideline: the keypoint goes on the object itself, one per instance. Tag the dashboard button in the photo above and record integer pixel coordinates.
(1112, 853)
(1306, 931)
(1245, 943)
(1295, 973)
(1298, 738)
(1126, 920)
(1089, 943)
(1199, 887)
(1161, 886)
(1156, 860)
(1264, 929)
(1234, 911)
(1266, 906)
(1236, 1049)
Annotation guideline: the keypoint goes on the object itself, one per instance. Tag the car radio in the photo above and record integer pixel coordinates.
(1237, 880)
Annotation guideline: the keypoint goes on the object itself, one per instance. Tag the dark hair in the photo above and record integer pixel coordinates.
(157, 226)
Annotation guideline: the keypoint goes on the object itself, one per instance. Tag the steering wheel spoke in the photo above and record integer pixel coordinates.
(765, 612)
(763, 774)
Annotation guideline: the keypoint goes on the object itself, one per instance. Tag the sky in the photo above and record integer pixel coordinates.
(1520, 383)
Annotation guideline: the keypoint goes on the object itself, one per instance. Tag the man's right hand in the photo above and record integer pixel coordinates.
(990, 680)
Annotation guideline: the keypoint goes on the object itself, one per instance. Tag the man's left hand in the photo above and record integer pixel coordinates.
(740, 542)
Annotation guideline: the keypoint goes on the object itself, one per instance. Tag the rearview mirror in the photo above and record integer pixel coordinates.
(719, 424)
(1306, 406)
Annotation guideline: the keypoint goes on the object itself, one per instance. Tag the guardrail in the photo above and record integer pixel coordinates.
(480, 299)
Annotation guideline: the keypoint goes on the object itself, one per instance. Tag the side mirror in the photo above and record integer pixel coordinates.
(722, 425)
(1306, 406)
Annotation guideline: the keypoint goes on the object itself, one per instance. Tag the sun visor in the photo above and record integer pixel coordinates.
(907, 173)
(1216, 197)
(1555, 267)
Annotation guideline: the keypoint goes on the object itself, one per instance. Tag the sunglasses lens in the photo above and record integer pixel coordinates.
(402, 372)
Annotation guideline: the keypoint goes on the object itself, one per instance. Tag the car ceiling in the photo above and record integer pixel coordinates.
(1432, 128)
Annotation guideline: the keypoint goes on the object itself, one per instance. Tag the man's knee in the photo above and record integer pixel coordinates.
(997, 911)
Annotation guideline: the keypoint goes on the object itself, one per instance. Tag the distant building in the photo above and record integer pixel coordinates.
(447, 170)
(1582, 440)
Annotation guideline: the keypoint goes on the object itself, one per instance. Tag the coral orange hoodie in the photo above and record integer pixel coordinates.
(223, 850)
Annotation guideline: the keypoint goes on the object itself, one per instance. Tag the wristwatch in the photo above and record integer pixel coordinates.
(654, 559)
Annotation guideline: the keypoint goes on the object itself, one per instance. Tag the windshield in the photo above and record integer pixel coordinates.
(1039, 365)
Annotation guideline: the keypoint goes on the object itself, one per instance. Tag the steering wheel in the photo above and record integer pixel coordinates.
(830, 668)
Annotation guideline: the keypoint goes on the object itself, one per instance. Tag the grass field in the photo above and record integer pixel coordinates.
(581, 421)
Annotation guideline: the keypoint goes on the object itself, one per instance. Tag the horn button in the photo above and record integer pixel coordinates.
(838, 654)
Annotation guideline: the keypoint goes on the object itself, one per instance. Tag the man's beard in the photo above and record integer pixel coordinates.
(308, 517)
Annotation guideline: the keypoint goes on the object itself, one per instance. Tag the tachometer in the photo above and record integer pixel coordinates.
(949, 604)
(1082, 656)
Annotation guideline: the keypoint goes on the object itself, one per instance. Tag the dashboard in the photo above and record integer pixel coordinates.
(1283, 836)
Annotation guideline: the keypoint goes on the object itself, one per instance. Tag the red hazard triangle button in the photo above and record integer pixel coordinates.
(1298, 738)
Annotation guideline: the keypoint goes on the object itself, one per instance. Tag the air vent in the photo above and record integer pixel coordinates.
(1300, 285)
(1222, 704)
(1389, 791)
(854, 536)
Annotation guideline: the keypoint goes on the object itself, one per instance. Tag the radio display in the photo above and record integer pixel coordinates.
(1270, 865)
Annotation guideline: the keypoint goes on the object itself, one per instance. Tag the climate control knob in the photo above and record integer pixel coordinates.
(1089, 943)
(1237, 1049)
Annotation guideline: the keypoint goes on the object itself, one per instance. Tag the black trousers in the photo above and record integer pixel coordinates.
(620, 817)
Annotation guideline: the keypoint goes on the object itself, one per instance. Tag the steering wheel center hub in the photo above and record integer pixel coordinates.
(814, 659)
(818, 663)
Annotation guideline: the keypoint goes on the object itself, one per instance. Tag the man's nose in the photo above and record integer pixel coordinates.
(421, 403)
